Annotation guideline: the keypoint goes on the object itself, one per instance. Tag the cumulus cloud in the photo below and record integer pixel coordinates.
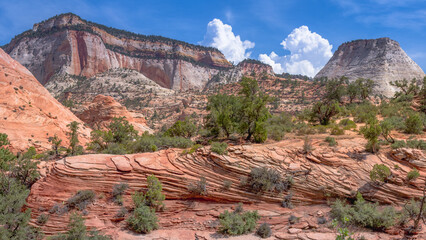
(309, 52)
(220, 36)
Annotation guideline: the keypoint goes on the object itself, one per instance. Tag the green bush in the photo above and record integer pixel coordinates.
(121, 213)
(81, 199)
(331, 141)
(307, 145)
(143, 220)
(233, 223)
(219, 147)
(118, 191)
(42, 219)
(418, 144)
(264, 179)
(324, 111)
(364, 112)
(380, 173)
(278, 125)
(194, 148)
(414, 124)
(347, 124)
(153, 196)
(335, 130)
(363, 214)
(185, 128)
(264, 230)
(371, 131)
(198, 188)
(150, 143)
(396, 122)
(286, 203)
(413, 174)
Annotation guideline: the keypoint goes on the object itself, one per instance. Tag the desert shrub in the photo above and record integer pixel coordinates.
(335, 130)
(153, 196)
(364, 112)
(331, 141)
(380, 173)
(121, 213)
(293, 219)
(320, 128)
(397, 122)
(227, 184)
(278, 125)
(419, 144)
(233, 223)
(411, 211)
(286, 203)
(192, 149)
(321, 220)
(363, 214)
(307, 145)
(414, 124)
(198, 188)
(143, 220)
(59, 209)
(347, 124)
(151, 143)
(118, 191)
(185, 128)
(264, 179)
(371, 132)
(81, 199)
(413, 174)
(264, 230)
(42, 219)
(304, 129)
(219, 147)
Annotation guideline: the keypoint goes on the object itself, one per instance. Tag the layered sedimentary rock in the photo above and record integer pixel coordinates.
(320, 175)
(381, 60)
(101, 111)
(67, 44)
(29, 114)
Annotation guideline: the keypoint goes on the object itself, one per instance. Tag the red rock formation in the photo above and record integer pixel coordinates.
(100, 112)
(69, 44)
(324, 173)
(29, 114)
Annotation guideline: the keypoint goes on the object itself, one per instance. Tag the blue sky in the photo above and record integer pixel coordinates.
(262, 26)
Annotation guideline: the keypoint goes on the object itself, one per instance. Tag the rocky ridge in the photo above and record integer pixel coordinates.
(29, 114)
(381, 60)
(320, 175)
(67, 44)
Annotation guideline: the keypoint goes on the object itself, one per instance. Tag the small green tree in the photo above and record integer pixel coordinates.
(73, 137)
(371, 132)
(414, 124)
(254, 112)
(380, 173)
(153, 197)
(56, 143)
(6, 156)
(223, 114)
(324, 111)
(143, 220)
(365, 87)
(335, 89)
(78, 230)
(185, 128)
(122, 131)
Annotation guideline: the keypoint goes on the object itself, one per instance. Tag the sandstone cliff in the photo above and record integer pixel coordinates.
(326, 173)
(67, 44)
(100, 112)
(381, 60)
(29, 114)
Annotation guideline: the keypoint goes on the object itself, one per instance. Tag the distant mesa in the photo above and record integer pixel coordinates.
(381, 60)
(29, 114)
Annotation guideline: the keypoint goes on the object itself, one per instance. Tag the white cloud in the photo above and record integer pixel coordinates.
(309, 52)
(220, 36)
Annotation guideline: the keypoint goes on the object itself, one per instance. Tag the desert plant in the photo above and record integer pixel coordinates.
(118, 191)
(77, 230)
(413, 174)
(264, 230)
(335, 130)
(227, 184)
(380, 173)
(414, 124)
(286, 203)
(121, 213)
(307, 145)
(265, 179)
(331, 141)
(219, 147)
(153, 196)
(143, 220)
(185, 128)
(371, 132)
(198, 188)
(81, 199)
(232, 223)
(42, 219)
(324, 111)
(347, 124)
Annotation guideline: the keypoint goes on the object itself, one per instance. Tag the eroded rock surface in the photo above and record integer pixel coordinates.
(381, 60)
(324, 173)
(29, 114)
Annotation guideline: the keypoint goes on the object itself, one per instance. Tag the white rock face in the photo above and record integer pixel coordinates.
(381, 60)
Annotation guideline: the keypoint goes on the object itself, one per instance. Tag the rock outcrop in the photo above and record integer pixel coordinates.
(29, 114)
(100, 112)
(381, 60)
(67, 44)
(322, 174)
